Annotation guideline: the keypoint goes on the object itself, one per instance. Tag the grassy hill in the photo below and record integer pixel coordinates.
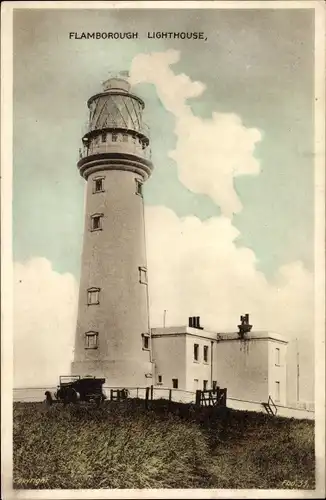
(125, 446)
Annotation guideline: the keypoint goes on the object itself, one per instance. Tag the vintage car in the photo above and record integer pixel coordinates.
(74, 388)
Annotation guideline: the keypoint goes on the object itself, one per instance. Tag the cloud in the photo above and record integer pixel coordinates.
(209, 153)
(199, 270)
(196, 269)
(44, 323)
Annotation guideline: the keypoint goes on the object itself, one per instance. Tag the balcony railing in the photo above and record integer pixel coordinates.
(138, 151)
(143, 129)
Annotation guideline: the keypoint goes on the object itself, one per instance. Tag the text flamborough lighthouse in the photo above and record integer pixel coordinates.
(113, 331)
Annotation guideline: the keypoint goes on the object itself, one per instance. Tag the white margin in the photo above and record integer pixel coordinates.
(7, 262)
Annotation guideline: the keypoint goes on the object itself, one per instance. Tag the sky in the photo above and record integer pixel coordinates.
(231, 122)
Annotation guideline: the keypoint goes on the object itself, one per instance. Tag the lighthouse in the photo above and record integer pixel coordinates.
(113, 337)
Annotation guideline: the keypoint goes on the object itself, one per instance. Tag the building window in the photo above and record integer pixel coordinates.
(103, 137)
(196, 351)
(114, 137)
(96, 222)
(160, 379)
(175, 383)
(125, 137)
(205, 382)
(93, 296)
(277, 357)
(142, 275)
(277, 391)
(206, 353)
(139, 187)
(91, 340)
(145, 341)
(98, 185)
(214, 385)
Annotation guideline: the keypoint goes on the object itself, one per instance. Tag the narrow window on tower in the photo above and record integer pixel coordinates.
(145, 337)
(175, 383)
(98, 184)
(93, 296)
(125, 137)
(196, 350)
(103, 136)
(205, 383)
(277, 357)
(277, 391)
(142, 275)
(114, 137)
(96, 222)
(160, 379)
(91, 340)
(139, 187)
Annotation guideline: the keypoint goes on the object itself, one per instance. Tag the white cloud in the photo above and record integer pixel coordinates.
(209, 153)
(44, 323)
(195, 269)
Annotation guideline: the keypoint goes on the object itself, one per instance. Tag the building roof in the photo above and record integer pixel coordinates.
(219, 336)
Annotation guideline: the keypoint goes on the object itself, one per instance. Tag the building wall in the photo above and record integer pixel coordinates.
(110, 261)
(169, 358)
(197, 371)
(242, 368)
(277, 382)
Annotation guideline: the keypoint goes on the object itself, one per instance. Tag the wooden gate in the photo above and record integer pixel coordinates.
(213, 397)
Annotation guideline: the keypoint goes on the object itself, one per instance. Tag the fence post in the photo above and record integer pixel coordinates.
(152, 390)
(146, 397)
(137, 393)
(111, 394)
(198, 397)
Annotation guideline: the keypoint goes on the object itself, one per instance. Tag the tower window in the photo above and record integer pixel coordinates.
(175, 383)
(160, 379)
(277, 356)
(103, 137)
(93, 296)
(139, 187)
(205, 382)
(96, 222)
(145, 341)
(125, 137)
(142, 275)
(277, 391)
(98, 185)
(91, 340)
(205, 353)
(114, 137)
(196, 351)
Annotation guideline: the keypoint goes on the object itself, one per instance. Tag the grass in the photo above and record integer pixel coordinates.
(122, 445)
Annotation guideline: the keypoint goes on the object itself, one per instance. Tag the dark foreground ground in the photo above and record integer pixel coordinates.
(122, 445)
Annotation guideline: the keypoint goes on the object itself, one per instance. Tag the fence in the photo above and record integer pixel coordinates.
(36, 394)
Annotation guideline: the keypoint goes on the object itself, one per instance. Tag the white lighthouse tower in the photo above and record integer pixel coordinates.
(113, 332)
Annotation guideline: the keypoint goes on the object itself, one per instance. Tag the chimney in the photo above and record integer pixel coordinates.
(244, 327)
(190, 322)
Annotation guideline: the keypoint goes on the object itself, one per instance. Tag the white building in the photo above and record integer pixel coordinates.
(252, 368)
